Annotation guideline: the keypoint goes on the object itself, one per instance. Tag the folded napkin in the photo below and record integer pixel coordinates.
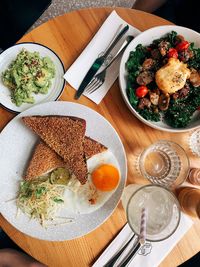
(77, 71)
(154, 252)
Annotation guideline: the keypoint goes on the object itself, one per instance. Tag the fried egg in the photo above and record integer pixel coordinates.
(172, 76)
(103, 179)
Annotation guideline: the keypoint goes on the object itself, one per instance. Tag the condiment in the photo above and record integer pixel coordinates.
(189, 199)
(194, 176)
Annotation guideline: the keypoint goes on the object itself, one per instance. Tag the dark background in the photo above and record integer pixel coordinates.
(16, 17)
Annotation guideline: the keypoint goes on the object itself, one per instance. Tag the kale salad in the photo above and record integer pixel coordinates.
(163, 80)
(27, 75)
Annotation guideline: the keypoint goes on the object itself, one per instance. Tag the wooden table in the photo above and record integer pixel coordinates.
(67, 35)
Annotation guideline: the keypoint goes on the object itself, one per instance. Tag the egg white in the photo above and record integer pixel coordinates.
(87, 198)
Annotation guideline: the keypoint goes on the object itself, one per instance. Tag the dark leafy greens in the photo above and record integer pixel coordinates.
(195, 61)
(170, 37)
(180, 111)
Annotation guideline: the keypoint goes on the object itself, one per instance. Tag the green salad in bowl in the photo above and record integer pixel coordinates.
(160, 78)
(164, 80)
(27, 75)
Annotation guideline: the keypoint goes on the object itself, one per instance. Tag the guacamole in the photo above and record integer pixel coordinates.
(28, 74)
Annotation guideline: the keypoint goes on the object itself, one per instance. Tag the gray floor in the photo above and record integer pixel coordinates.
(59, 7)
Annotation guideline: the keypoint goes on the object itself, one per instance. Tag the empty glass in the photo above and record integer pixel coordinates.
(162, 208)
(164, 163)
(194, 142)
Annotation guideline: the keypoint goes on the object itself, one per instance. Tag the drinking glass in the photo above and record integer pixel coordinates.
(162, 208)
(164, 163)
(194, 142)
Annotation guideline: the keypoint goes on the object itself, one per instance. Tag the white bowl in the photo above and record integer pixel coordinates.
(146, 38)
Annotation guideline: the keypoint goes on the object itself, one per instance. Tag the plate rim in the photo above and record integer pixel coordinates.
(124, 180)
(61, 62)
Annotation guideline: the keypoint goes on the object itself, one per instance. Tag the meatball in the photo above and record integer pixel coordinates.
(179, 38)
(185, 55)
(182, 93)
(155, 53)
(163, 47)
(145, 77)
(144, 102)
(148, 64)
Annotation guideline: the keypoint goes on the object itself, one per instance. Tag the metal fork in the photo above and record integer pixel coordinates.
(99, 78)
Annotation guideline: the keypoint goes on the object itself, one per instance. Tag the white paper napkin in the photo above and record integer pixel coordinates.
(77, 71)
(157, 250)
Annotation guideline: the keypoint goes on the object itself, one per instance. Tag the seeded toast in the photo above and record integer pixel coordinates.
(92, 147)
(43, 160)
(65, 135)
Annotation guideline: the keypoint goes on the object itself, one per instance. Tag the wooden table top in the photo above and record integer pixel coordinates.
(67, 35)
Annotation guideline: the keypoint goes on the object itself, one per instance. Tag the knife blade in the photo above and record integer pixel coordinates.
(98, 63)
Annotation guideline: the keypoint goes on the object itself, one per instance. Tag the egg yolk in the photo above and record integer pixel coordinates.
(105, 177)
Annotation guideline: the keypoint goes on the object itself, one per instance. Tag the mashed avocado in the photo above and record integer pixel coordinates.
(29, 73)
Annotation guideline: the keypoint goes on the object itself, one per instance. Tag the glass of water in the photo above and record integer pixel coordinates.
(162, 208)
(194, 142)
(164, 163)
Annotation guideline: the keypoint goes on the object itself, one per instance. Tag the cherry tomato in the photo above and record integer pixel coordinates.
(172, 53)
(141, 91)
(182, 46)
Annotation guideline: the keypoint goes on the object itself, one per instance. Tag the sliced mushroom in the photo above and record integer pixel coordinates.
(144, 102)
(195, 78)
(154, 96)
(148, 64)
(163, 102)
(145, 77)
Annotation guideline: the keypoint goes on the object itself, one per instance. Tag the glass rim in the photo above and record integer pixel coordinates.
(176, 202)
(174, 184)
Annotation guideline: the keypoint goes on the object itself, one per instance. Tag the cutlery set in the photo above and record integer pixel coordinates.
(125, 254)
(99, 78)
(93, 80)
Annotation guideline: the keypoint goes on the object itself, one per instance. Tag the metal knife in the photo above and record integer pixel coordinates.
(98, 63)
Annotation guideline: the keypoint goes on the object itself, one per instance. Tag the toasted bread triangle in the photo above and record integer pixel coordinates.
(65, 136)
(92, 147)
(45, 159)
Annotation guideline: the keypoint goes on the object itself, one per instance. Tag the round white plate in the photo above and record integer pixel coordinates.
(16, 145)
(58, 83)
(146, 38)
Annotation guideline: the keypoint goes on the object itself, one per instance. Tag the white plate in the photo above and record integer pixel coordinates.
(58, 83)
(16, 145)
(146, 38)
